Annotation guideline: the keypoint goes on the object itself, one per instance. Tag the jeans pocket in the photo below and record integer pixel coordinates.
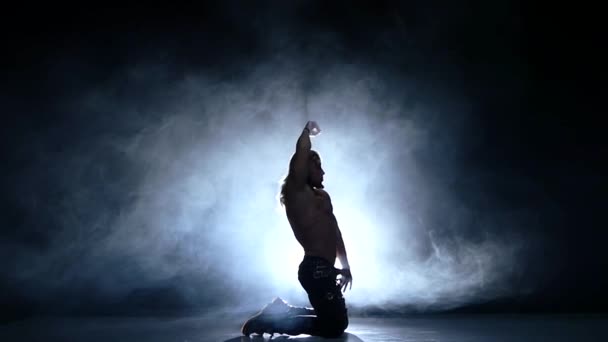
(321, 271)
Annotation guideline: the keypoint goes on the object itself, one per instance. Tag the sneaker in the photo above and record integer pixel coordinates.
(262, 322)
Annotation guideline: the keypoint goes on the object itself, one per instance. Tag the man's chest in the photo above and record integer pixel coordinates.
(319, 200)
(311, 203)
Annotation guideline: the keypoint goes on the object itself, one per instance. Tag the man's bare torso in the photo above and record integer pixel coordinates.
(310, 214)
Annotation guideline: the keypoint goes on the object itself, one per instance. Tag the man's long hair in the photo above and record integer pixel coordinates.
(285, 183)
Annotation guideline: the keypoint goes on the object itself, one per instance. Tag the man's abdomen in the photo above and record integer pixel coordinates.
(320, 242)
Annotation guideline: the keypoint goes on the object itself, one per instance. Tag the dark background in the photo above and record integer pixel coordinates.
(534, 77)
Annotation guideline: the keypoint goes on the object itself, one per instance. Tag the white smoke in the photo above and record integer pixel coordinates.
(210, 154)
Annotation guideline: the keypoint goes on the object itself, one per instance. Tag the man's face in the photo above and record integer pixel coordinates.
(315, 172)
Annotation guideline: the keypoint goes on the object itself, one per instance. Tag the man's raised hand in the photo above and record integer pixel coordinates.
(313, 128)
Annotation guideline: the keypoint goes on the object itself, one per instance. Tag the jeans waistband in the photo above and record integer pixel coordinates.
(317, 260)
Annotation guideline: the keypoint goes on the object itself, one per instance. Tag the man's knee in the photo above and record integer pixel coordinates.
(336, 328)
(343, 324)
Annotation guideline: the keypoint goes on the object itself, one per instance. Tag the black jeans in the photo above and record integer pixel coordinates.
(329, 317)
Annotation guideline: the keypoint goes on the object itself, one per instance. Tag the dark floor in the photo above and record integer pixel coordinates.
(206, 327)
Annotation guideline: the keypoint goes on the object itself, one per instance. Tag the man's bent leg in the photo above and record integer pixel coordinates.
(296, 325)
(328, 318)
(263, 321)
(318, 277)
(274, 318)
(331, 312)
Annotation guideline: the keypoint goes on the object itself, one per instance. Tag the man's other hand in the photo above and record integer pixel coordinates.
(346, 279)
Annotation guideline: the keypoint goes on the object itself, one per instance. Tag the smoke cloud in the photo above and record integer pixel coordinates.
(155, 181)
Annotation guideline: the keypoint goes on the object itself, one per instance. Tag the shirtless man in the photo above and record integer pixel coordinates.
(310, 214)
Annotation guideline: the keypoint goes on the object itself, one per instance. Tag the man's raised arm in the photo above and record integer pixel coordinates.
(298, 166)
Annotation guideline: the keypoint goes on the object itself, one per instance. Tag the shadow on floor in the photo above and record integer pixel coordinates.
(257, 338)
